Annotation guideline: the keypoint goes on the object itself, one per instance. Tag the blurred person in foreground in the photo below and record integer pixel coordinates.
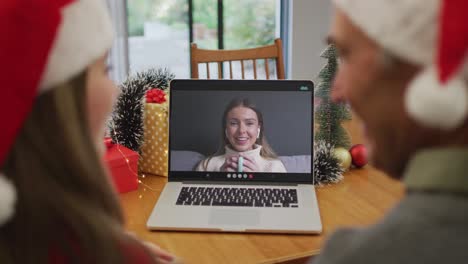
(57, 203)
(403, 70)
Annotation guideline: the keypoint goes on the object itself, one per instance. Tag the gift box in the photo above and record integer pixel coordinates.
(154, 150)
(123, 166)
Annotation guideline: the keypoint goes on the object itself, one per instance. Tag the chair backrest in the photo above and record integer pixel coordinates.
(203, 56)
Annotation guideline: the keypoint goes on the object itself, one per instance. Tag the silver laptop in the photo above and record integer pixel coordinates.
(240, 158)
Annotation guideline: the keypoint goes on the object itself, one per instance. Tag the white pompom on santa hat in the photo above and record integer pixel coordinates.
(48, 43)
(430, 33)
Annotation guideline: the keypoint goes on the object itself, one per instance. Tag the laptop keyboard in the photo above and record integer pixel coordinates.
(246, 197)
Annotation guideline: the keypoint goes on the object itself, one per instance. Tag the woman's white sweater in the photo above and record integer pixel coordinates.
(264, 164)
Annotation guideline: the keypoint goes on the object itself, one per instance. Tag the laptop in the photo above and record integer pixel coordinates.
(240, 158)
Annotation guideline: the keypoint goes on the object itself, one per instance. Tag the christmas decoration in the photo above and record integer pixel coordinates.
(126, 125)
(156, 78)
(127, 117)
(154, 151)
(344, 158)
(326, 166)
(358, 155)
(329, 115)
(123, 164)
(155, 96)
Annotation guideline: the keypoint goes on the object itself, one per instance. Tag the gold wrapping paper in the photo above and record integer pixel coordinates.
(154, 151)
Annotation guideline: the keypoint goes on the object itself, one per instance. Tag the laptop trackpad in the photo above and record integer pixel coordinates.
(234, 217)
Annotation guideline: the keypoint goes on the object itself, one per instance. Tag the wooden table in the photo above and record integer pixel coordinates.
(362, 198)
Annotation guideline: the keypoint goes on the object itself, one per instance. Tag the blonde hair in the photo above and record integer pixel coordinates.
(266, 151)
(65, 200)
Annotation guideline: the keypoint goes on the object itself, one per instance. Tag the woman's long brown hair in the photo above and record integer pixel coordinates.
(65, 199)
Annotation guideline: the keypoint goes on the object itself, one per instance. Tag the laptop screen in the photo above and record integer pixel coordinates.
(241, 130)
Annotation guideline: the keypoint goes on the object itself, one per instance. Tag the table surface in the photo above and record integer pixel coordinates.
(362, 198)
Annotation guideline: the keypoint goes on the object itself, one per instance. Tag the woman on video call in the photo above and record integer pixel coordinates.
(244, 147)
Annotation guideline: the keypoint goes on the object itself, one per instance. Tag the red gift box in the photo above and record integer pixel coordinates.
(124, 174)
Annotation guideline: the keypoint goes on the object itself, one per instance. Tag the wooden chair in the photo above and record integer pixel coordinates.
(203, 56)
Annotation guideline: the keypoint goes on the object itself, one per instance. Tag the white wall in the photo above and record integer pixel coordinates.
(310, 23)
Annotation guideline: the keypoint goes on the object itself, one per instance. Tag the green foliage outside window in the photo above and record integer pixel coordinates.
(138, 11)
(248, 23)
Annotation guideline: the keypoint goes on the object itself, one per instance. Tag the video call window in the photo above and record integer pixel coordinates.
(241, 131)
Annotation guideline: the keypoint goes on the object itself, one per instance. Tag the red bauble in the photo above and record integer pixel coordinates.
(358, 155)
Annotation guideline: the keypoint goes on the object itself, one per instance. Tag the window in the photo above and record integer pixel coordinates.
(160, 31)
(158, 35)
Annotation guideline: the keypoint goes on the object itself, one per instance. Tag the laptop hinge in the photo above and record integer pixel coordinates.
(241, 183)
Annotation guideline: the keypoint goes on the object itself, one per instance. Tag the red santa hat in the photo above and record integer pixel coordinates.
(45, 43)
(430, 33)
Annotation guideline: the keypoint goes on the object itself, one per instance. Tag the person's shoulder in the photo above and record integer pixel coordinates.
(213, 158)
(339, 248)
(417, 220)
(359, 246)
(218, 158)
(276, 164)
(272, 159)
(374, 244)
(211, 163)
(276, 160)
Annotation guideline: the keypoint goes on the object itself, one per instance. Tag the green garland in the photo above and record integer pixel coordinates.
(126, 124)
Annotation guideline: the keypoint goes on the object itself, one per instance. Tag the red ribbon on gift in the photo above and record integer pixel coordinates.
(108, 142)
(155, 95)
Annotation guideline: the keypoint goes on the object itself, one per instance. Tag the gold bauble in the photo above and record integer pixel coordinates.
(344, 157)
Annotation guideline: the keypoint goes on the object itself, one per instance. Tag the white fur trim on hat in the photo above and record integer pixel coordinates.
(405, 28)
(408, 29)
(84, 35)
(434, 104)
(7, 199)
